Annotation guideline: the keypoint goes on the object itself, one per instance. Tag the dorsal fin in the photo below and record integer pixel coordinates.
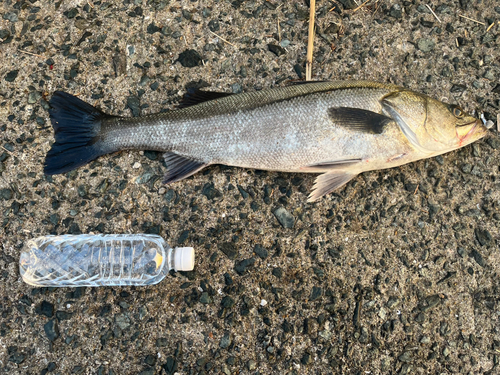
(295, 83)
(195, 96)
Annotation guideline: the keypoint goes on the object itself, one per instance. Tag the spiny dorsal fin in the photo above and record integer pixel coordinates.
(180, 167)
(195, 96)
(295, 83)
(359, 119)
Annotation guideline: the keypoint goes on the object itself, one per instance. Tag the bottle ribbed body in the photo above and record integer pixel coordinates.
(95, 260)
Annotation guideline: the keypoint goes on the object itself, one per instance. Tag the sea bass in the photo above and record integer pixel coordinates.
(337, 129)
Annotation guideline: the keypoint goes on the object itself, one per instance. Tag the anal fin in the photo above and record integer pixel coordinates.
(328, 182)
(180, 167)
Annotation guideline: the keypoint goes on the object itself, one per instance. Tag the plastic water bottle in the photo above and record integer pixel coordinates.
(101, 260)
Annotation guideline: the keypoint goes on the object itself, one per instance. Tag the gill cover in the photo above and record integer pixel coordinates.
(409, 110)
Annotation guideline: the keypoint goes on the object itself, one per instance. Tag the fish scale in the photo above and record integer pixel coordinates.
(249, 137)
(339, 129)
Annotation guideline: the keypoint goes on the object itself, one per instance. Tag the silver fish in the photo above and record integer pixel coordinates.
(338, 129)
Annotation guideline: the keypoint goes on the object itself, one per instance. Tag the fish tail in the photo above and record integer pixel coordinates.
(77, 133)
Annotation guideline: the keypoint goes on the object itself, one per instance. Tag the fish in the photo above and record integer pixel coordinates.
(337, 129)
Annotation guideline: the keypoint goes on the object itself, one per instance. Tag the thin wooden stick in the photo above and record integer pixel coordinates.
(30, 53)
(434, 14)
(221, 38)
(361, 6)
(472, 19)
(279, 30)
(310, 40)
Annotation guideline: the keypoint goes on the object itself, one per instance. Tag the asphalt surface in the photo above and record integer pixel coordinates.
(397, 273)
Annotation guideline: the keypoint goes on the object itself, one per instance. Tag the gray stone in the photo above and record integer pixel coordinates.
(51, 329)
(476, 255)
(285, 218)
(489, 75)
(277, 50)
(5, 194)
(122, 321)
(405, 357)
(229, 249)
(34, 96)
(205, 298)
(190, 58)
(11, 16)
(11, 76)
(251, 364)
(425, 340)
(225, 341)
(425, 44)
(483, 236)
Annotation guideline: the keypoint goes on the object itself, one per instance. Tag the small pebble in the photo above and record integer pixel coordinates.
(277, 50)
(51, 330)
(205, 298)
(489, 75)
(476, 255)
(396, 11)
(285, 43)
(483, 236)
(225, 341)
(425, 44)
(134, 104)
(190, 58)
(349, 4)
(251, 365)
(11, 76)
(122, 321)
(11, 16)
(284, 217)
(425, 340)
(382, 313)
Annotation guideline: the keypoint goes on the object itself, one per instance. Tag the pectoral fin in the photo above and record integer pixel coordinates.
(359, 120)
(330, 165)
(328, 182)
(180, 167)
(390, 105)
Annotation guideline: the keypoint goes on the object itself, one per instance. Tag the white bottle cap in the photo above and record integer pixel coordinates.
(184, 259)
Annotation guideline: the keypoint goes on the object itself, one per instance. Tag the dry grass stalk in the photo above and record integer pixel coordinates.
(472, 19)
(434, 14)
(310, 40)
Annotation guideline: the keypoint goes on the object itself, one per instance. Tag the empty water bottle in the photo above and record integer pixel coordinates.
(101, 260)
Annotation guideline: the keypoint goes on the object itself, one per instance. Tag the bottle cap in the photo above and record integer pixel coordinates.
(184, 259)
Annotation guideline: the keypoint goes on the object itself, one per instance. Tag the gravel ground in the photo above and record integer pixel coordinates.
(397, 273)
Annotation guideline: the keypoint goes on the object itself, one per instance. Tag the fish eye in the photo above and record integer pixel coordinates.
(457, 112)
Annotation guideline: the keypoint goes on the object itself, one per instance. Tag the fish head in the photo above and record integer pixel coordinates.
(431, 126)
(451, 126)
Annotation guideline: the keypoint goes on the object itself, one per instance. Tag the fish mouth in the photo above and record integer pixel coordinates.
(471, 132)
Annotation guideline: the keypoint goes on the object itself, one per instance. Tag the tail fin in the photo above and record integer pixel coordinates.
(77, 131)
